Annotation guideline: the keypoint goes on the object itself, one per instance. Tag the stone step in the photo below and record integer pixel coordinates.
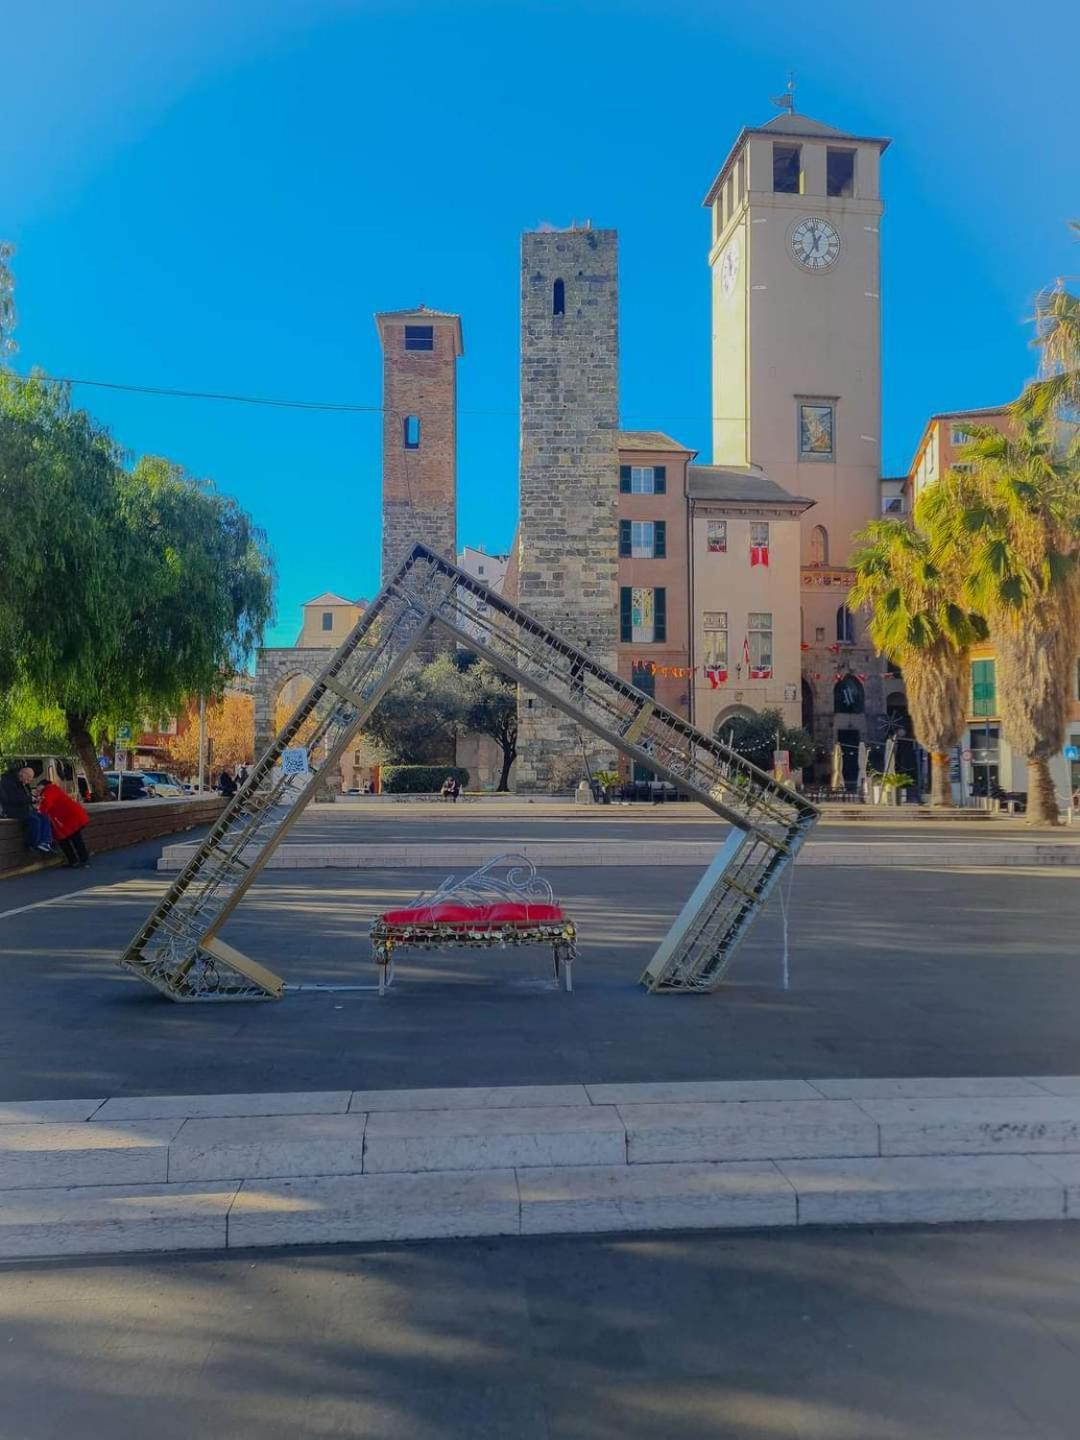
(747, 1130)
(416, 1140)
(925, 1189)
(46, 1155)
(353, 1209)
(1018, 1125)
(266, 1146)
(113, 1219)
(696, 854)
(330, 1210)
(654, 1197)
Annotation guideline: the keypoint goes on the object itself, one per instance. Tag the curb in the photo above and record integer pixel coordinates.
(171, 1173)
(695, 853)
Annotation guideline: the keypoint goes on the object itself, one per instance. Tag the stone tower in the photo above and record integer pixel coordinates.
(568, 527)
(419, 497)
(796, 348)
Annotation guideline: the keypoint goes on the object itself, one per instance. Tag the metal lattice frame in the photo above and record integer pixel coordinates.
(178, 949)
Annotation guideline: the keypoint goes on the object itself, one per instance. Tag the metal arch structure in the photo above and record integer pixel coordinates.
(179, 950)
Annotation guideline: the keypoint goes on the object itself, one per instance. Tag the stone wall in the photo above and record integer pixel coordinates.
(568, 529)
(116, 824)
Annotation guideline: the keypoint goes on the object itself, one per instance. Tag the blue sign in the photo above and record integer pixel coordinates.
(103, 761)
(1072, 752)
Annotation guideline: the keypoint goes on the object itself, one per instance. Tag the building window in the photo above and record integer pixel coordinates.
(786, 171)
(959, 436)
(759, 543)
(411, 432)
(816, 431)
(643, 479)
(892, 504)
(716, 537)
(715, 626)
(643, 614)
(558, 298)
(731, 195)
(643, 539)
(819, 634)
(845, 626)
(848, 696)
(643, 677)
(419, 337)
(840, 172)
(759, 628)
(983, 687)
(819, 545)
(327, 620)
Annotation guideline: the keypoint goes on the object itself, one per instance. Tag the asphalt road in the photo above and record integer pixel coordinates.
(954, 1334)
(893, 972)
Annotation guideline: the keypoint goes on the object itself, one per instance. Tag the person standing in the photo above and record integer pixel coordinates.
(17, 803)
(226, 784)
(241, 777)
(68, 820)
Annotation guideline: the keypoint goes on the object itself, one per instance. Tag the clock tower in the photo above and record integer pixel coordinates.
(796, 369)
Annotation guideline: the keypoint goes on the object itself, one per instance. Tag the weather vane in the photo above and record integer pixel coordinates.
(787, 100)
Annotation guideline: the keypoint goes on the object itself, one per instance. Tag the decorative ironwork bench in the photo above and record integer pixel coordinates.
(482, 911)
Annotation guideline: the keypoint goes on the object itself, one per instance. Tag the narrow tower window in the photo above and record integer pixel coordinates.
(419, 337)
(819, 545)
(786, 169)
(558, 298)
(840, 172)
(411, 427)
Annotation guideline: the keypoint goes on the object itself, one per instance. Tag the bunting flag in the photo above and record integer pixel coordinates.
(759, 555)
(761, 672)
(716, 674)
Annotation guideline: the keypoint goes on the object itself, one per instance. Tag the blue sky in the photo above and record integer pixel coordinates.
(218, 194)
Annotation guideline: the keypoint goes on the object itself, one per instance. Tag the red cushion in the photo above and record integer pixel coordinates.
(510, 912)
(504, 913)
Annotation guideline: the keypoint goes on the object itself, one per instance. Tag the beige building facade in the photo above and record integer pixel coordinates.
(744, 576)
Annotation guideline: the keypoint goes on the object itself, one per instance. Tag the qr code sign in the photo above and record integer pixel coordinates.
(295, 762)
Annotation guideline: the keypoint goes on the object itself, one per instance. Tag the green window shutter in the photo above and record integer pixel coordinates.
(624, 479)
(626, 613)
(660, 539)
(626, 538)
(660, 613)
(659, 480)
(983, 687)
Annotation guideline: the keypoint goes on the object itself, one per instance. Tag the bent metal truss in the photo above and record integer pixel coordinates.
(179, 949)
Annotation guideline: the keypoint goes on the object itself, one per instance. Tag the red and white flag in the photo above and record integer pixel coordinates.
(746, 651)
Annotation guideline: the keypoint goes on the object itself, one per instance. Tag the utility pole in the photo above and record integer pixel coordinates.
(202, 743)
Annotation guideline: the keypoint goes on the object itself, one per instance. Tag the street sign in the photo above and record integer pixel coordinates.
(965, 755)
(103, 761)
(121, 761)
(1072, 752)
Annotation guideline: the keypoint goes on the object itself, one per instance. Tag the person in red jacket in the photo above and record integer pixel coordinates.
(68, 820)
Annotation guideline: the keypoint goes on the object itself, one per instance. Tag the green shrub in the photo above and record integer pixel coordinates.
(420, 779)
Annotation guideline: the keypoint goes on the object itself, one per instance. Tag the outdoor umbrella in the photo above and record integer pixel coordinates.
(837, 767)
(864, 755)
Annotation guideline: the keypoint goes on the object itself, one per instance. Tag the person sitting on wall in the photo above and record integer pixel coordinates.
(226, 783)
(450, 788)
(17, 803)
(68, 820)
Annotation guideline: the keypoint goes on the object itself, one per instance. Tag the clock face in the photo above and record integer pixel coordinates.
(815, 243)
(729, 267)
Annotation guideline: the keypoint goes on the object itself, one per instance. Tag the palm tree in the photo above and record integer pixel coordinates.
(916, 622)
(1013, 524)
(1057, 391)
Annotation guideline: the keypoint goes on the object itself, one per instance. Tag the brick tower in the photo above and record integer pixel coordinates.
(568, 528)
(419, 496)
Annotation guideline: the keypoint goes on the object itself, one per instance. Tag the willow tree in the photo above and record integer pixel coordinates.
(1012, 524)
(916, 621)
(123, 591)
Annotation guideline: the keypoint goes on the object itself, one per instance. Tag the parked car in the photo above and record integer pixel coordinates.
(60, 769)
(134, 785)
(160, 782)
